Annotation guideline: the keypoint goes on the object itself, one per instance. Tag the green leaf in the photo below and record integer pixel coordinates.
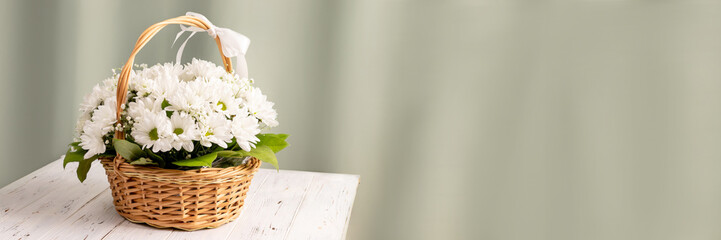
(77, 154)
(276, 142)
(155, 157)
(106, 155)
(232, 145)
(143, 161)
(164, 104)
(74, 154)
(263, 153)
(224, 162)
(205, 160)
(130, 151)
(229, 153)
(84, 167)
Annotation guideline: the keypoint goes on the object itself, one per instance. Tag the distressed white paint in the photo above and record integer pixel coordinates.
(271, 211)
(90, 222)
(38, 187)
(50, 204)
(40, 215)
(324, 212)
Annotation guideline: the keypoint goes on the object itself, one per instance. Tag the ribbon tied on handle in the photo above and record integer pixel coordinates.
(233, 43)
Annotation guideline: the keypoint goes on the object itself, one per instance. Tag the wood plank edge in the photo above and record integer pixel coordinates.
(32, 174)
(272, 171)
(350, 209)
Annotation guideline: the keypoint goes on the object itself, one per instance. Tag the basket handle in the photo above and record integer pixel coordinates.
(122, 92)
(123, 80)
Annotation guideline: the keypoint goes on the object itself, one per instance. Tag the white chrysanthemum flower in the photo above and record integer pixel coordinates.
(204, 89)
(206, 105)
(215, 129)
(259, 106)
(202, 69)
(160, 71)
(184, 131)
(92, 139)
(229, 106)
(153, 130)
(143, 86)
(140, 106)
(244, 129)
(104, 116)
(186, 98)
(85, 116)
(165, 85)
(110, 85)
(223, 98)
(241, 87)
(92, 100)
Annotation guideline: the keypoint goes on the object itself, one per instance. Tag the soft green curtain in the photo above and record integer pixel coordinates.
(465, 119)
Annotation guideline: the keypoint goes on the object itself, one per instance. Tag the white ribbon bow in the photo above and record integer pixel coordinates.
(232, 43)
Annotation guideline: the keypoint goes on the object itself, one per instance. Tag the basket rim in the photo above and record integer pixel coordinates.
(192, 176)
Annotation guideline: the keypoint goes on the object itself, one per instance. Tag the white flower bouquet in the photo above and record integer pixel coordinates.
(178, 117)
(180, 144)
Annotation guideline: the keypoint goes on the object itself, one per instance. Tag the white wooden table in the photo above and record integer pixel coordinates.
(51, 203)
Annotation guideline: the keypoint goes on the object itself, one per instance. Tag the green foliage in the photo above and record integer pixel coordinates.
(164, 104)
(130, 151)
(143, 161)
(224, 162)
(202, 161)
(265, 154)
(155, 158)
(264, 150)
(74, 154)
(84, 167)
(276, 142)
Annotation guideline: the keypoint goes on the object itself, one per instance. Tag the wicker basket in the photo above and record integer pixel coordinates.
(169, 198)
